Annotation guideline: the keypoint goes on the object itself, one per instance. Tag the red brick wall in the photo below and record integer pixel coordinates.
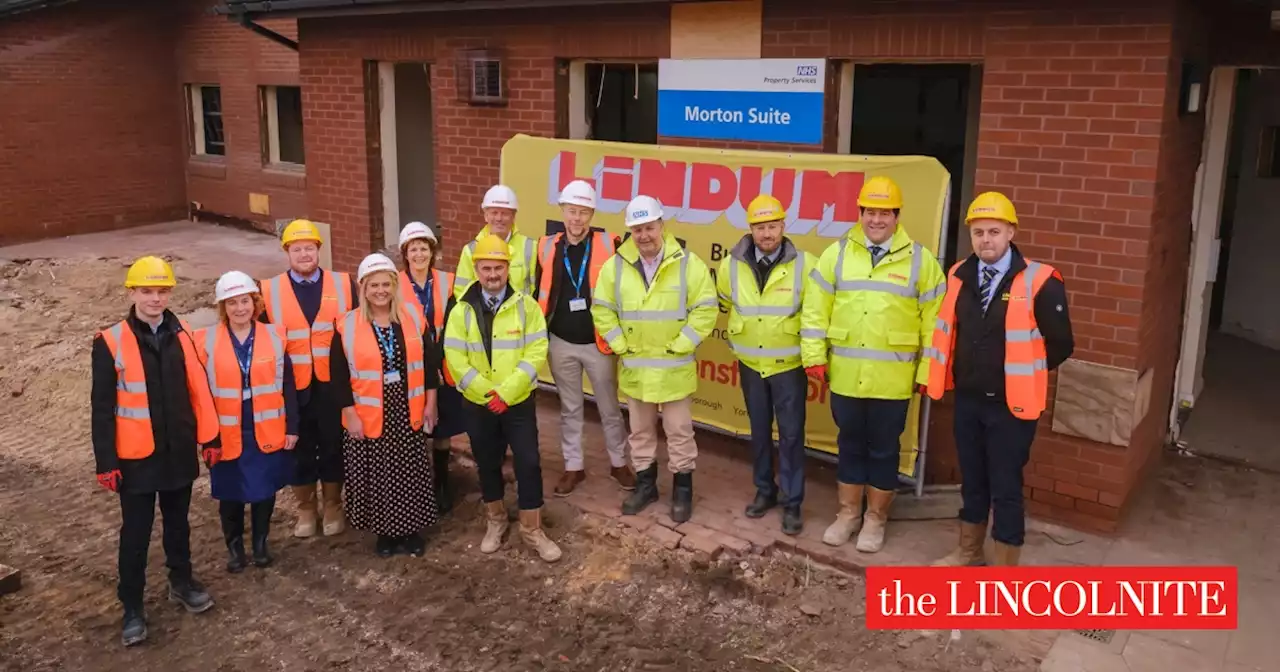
(90, 128)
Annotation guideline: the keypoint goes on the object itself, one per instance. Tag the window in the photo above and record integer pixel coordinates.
(282, 125)
(207, 136)
(622, 102)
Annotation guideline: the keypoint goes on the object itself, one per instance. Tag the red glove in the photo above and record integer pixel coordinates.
(496, 404)
(818, 371)
(212, 456)
(110, 480)
(923, 390)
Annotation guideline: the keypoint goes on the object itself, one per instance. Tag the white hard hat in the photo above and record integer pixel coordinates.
(642, 210)
(500, 196)
(579, 192)
(233, 284)
(417, 231)
(374, 263)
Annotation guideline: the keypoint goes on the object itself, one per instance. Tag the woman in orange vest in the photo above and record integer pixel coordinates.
(251, 376)
(385, 373)
(429, 290)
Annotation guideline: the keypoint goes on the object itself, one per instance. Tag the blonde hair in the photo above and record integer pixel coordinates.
(396, 301)
(259, 307)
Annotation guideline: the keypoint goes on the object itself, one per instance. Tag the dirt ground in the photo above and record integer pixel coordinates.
(614, 602)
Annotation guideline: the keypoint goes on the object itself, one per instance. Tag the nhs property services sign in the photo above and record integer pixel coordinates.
(763, 100)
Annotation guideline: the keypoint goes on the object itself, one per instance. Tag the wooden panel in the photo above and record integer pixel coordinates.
(716, 29)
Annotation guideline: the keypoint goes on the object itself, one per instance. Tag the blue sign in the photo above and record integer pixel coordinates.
(762, 100)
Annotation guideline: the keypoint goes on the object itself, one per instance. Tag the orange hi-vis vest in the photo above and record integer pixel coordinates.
(441, 290)
(364, 360)
(1026, 369)
(307, 344)
(601, 249)
(135, 439)
(266, 386)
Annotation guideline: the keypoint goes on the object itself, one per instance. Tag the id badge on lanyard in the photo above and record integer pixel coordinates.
(388, 346)
(244, 363)
(578, 303)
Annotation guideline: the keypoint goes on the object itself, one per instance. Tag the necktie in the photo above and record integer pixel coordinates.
(876, 253)
(988, 274)
(493, 304)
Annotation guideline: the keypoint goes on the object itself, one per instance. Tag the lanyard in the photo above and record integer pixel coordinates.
(425, 296)
(386, 342)
(582, 270)
(244, 357)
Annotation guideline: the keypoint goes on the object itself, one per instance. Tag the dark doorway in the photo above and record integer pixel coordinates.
(415, 144)
(622, 102)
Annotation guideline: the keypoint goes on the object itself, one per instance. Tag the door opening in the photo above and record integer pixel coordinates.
(408, 148)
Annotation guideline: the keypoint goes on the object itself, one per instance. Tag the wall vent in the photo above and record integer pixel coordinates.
(482, 77)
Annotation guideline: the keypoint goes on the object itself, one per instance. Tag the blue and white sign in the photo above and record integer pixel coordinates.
(764, 100)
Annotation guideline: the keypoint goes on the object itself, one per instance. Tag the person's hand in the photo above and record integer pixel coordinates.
(496, 404)
(290, 441)
(922, 389)
(212, 456)
(110, 480)
(430, 416)
(818, 371)
(355, 428)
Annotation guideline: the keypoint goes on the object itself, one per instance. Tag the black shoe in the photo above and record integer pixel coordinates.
(261, 513)
(682, 496)
(261, 554)
(191, 594)
(646, 491)
(440, 473)
(134, 629)
(762, 503)
(792, 521)
(415, 545)
(236, 561)
(232, 517)
(385, 547)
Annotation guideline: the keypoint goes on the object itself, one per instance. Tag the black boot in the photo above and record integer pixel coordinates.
(646, 491)
(414, 545)
(792, 522)
(191, 594)
(440, 472)
(260, 512)
(385, 546)
(232, 515)
(761, 504)
(682, 496)
(134, 628)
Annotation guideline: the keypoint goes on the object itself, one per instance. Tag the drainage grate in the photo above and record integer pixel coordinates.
(1103, 636)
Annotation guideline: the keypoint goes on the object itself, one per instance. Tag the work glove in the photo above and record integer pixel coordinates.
(212, 456)
(110, 480)
(922, 389)
(818, 371)
(496, 404)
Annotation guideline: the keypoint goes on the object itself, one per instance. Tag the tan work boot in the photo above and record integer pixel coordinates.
(969, 550)
(568, 481)
(531, 532)
(496, 514)
(871, 538)
(334, 517)
(305, 495)
(849, 520)
(1006, 555)
(625, 476)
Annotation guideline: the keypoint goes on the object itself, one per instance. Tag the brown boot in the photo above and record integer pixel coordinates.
(308, 516)
(496, 515)
(1006, 555)
(334, 517)
(871, 538)
(568, 481)
(969, 550)
(531, 532)
(849, 520)
(625, 476)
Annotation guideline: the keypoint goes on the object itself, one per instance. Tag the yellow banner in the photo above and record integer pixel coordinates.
(704, 195)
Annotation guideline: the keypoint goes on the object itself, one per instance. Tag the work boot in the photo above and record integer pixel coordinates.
(308, 517)
(440, 474)
(496, 515)
(232, 517)
(415, 545)
(969, 550)
(625, 476)
(134, 627)
(871, 538)
(260, 512)
(761, 505)
(849, 520)
(568, 481)
(646, 491)
(533, 536)
(334, 517)
(1007, 555)
(792, 521)
(191, 594)
(682, 496)
(385, 546)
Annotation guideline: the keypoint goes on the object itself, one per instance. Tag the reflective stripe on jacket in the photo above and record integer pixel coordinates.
(364, 361)
(601, 250)
(764, 327)
(518, 349)
(266, 386)
(871, 322)
(307, 344)
(135, 439)
(655, 329)
(1026, 369)
(520, 272)
(441, 288)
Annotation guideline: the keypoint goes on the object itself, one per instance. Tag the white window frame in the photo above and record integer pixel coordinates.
(271, 119)
(195, 93)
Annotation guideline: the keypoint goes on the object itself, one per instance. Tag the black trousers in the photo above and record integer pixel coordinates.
(868, 440)
(781, 395)
(138, 512)
(318, 454)
(993, 447)
(232, 515)
(490, 436)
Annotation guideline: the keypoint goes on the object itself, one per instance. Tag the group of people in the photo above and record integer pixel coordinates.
(348, 390)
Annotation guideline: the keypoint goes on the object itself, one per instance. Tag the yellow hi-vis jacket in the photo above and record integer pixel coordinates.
(655, 328)
(515, 353)
(520, 273)
(876, 321)
(764, 326)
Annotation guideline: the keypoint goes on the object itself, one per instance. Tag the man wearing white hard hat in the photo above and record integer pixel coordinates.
(654, 303)
(499, 207)
(569, 266)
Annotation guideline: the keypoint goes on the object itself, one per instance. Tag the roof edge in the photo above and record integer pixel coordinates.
(321, 8)
(12, 7)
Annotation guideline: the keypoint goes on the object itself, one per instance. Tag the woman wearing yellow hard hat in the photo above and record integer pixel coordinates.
(152, 414)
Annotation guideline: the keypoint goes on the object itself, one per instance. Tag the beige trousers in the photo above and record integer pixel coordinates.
(677, 422)
(568, 362)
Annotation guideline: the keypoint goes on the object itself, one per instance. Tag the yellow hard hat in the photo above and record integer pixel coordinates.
(300, 229)
(765, 208)
(992, 205)
(491, 248)
(880, 192)
(150, 272)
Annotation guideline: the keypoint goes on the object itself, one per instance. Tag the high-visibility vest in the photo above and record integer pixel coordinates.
(520, 271)
(601, 250)
(364, 361)
(135, 439)
(764, 326)
(656, 329)
(518, 346)
(1026, 367)
(441, 290)
(266, 386)
(307, 344)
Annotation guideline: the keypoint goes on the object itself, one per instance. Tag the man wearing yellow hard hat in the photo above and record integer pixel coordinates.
(499, 207)
(307, 301)
(870, 313)
(762, 283)
(152, 416)
(1002, 328)
(495, 342)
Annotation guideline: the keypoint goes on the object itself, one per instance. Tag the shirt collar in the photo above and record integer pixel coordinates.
(884, 246)
(1002, 264)
(499, 296)
(656, 260)
(761, 256)
(314, 277)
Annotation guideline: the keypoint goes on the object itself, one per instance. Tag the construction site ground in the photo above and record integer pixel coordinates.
(721, 592)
